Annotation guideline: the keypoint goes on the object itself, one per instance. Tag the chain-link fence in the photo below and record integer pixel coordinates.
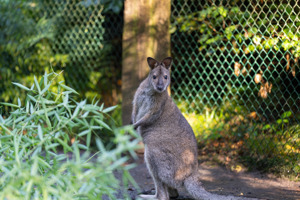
(236, 76)
(82, 38)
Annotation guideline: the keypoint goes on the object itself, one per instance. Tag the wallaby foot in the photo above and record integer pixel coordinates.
(147, 196)
(173, 193)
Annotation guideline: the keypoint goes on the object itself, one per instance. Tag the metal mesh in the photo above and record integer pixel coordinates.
(239, 61)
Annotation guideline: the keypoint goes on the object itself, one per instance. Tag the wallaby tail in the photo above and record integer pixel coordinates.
(196, 190)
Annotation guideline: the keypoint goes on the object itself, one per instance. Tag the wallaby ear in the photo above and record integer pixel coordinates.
(167, 62)
(152, 62)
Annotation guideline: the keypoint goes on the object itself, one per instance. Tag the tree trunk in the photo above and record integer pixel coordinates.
(146, 34)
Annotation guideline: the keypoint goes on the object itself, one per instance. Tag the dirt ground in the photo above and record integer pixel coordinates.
(217, 179)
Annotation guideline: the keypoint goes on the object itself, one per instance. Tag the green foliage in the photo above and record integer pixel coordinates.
(25, 45)
(45, 146)
(236, 138)
(220, 25)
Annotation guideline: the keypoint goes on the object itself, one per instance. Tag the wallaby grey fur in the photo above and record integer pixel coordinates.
(170, 143)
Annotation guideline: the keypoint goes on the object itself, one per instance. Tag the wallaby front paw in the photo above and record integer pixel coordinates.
(146, 196)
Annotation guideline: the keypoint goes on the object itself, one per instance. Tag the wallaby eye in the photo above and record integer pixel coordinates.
(154, 77)
(165, 76)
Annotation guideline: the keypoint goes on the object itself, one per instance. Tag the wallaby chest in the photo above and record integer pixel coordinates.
(143, 104)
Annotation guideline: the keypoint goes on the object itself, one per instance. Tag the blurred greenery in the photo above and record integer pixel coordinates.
(79, 37)
(24, 45)
(218, 25)
(45, 148)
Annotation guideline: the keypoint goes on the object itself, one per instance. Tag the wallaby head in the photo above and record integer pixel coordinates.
(159, 75)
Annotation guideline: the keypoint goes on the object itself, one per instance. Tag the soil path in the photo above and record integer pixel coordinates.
(219, 180)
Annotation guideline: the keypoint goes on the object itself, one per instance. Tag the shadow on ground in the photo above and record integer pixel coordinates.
(217, 179)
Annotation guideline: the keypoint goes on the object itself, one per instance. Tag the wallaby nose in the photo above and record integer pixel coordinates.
(160, 87)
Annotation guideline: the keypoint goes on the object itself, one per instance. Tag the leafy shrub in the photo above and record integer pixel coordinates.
(231, 138)
(45, 147)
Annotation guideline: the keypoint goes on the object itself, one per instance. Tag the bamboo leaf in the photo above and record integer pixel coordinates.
(37, 84)
(5, 129)
(45, 89)
(45, 79)
(103, 124)
(40, 132)
(34, 167)
(51, 146)
(65, 145)
(1, 119)
(40, 112)
(88, 139)
(19, 102)
(10, 105)
(42, 162)
(84, 133)
(21, 86)
(106, 110)
(100, 145)
(31, 97)
(81, 146)
(68, 88)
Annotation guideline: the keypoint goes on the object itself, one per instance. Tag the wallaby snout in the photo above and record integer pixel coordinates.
(160, 87)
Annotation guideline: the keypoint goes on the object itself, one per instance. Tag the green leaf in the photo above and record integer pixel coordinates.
(88, 139)
(5, 129)
(45, 89)
(34, 167)
(267, 126)
(1, 119)
(100, 145)
(37, 84)
(65, 145)
(106, 110)
(81, 146)
(19, 102)
(10, 105)
(103, 124)
(31, 97)
(51, 146)
(43, 162)
(286, 114)
(40, 112)
(45, 78)
(68, 88)
(222, 11)
(84, 133)
(32, 87)
(19, 119)
(21, 86)
(40, 132)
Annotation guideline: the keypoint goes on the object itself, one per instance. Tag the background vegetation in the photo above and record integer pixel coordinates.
(80, 37)
(237, 79)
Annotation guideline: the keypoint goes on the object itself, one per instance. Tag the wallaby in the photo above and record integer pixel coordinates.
(170, 143)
